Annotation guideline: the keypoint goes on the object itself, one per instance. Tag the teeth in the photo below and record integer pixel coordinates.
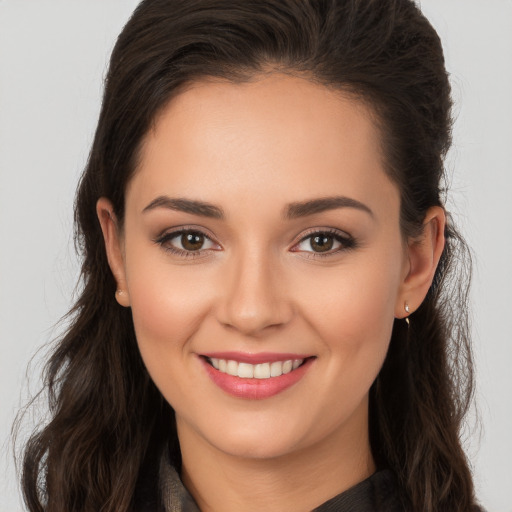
(276, 369)
(262, 371)
(232, 368)
(255, 371)
(246, 371)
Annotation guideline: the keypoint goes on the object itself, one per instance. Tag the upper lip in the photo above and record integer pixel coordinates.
(255, 358)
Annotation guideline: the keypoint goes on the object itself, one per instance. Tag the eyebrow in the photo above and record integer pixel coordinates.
(186, 205)
(292, 211)
(305, 208)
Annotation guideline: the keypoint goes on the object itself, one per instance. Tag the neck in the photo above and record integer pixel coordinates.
(301, 480)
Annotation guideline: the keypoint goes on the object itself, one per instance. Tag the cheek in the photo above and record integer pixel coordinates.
(354, 323)
(168, 309)
(168, 302)
(355, 299)
(353, 313)
(163, 311)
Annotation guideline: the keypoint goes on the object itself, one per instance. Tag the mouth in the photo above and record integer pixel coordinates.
(256, 376)
(265, 370)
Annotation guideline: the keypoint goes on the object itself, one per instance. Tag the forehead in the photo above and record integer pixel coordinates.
(277, 134)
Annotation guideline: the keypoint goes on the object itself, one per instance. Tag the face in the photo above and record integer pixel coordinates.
(263, 262)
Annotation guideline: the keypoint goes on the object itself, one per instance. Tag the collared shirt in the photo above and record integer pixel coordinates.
(378, 493)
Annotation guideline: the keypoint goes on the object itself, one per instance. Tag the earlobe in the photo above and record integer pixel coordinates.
(113, 247)
(423, 254)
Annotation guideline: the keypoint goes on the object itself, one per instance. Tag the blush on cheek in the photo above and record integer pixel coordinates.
(357, 311)
(160, 321)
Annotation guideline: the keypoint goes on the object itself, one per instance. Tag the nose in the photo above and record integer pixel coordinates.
(255, 296)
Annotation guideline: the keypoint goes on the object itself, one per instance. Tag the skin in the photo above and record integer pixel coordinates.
(258, 285)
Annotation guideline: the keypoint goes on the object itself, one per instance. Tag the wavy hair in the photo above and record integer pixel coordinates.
(108, 421)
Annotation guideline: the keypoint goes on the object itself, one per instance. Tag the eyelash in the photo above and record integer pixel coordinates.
(346, 241)
(164, 239)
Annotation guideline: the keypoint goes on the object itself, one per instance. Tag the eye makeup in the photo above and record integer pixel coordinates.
(324, 242)
(187, 242)
(193, 242)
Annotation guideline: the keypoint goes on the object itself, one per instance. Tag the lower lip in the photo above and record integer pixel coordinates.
(256, 389)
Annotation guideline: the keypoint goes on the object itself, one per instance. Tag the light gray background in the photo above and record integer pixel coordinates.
(53, 56)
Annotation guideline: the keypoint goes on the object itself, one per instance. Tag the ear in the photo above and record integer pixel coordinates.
(423, 254)
(114, 249)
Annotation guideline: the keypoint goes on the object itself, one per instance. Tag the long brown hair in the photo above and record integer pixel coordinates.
(109, 423)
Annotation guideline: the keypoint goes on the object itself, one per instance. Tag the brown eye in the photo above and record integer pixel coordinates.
(325, 243)
(187, 242)
(322, 242)
(192, 241)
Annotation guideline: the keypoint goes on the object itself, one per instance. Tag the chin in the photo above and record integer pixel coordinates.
(259, 442)
(254, 447)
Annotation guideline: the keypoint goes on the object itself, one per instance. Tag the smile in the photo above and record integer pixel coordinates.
(255, 376)
(255, 371)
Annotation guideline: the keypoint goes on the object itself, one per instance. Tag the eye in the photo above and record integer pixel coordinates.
(186, 242)
(324, 243)
(191, 241)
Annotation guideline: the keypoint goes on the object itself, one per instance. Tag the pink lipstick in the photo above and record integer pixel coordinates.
(255, 376)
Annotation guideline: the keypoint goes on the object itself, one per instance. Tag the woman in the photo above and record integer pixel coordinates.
(268, 317)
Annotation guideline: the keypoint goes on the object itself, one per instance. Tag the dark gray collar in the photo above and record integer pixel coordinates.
(175, 498)
(377, 493)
